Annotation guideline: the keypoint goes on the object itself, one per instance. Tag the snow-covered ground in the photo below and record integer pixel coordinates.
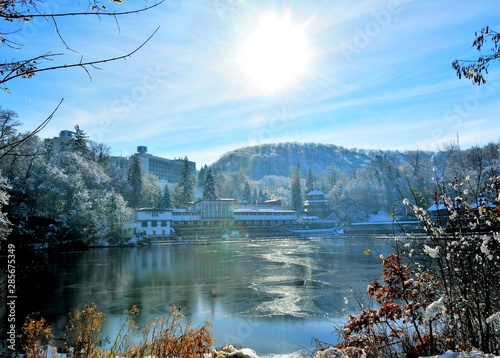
(232, 352)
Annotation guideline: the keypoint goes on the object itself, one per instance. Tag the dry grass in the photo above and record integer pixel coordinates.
(162, 337)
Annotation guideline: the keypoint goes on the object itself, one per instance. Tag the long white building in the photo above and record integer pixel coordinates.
(211, 213)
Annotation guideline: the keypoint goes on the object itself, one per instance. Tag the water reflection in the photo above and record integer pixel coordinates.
(287, 290)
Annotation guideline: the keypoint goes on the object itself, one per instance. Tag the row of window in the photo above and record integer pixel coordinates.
(154, 223)
(260, 222)
(245, 213)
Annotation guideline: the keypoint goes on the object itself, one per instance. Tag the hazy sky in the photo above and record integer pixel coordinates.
(359, 74)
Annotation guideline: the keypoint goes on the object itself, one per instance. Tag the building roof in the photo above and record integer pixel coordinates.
(315, 192)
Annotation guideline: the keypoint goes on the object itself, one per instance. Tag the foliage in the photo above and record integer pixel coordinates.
(36, 337)
(5, 225)
(79, 142)
(449, 298)
(296, 190)
(186, 184)
(168, 337)
(247, 194)
(166, 200)
(474, 69)
(310, 181)
(162, 337)
(135, 178)
(210, 190)
(84, 332)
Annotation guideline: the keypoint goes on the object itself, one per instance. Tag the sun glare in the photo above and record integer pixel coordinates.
(275, 54)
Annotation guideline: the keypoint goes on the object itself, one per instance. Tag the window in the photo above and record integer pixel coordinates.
(154, 223)
(154, 213)
(164, 223)
(144, 224)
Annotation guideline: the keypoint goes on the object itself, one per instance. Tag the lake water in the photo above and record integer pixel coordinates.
(272, 296)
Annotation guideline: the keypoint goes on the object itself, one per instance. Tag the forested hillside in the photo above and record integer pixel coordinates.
(357, 182)
(281, 159)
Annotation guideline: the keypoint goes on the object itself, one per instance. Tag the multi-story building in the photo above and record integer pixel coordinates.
(60, 143)
(215, 211)
(167, 170)
(316, 204)
(153, 222)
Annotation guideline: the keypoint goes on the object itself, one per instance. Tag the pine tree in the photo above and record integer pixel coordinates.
(262, 196)
(310, 183)
(296, 190)
(201, 175)
(247, 194)
(210, 186)
(135, 180)
(255, 196)
(186, 183)
(166, 200)
(79, 142)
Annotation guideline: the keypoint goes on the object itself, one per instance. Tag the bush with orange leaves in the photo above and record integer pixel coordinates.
(36, 337)
(398, 326)
(163, 337)
(449, 297)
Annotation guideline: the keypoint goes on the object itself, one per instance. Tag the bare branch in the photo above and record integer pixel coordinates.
(60, 36)
(20, 16)
(12, 145)
(27, 69)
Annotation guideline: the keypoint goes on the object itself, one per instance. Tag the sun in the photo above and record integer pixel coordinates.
(274, 54)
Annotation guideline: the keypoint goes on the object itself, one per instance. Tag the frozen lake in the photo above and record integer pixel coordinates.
(272, 296)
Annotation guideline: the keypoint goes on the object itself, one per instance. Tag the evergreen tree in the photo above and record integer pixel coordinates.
(186, 184)
(310, 182)
(296, 190)
(262, 196)
(255, 196)
(210, 187)
(201, 175)
(135, 180)
(79, 142)
(247, 194)
(166, 200)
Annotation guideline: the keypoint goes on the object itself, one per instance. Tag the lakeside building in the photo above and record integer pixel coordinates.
(269, 213)
(316, 205)
(153, 222)
(220, 214)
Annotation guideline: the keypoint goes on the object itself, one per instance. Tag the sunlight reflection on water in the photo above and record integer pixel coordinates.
(271, 296)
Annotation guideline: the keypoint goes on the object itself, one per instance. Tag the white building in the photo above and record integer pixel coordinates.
(211, 213)
(264, 216)
(153, 222)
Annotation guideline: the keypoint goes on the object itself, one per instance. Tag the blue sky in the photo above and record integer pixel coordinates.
(378, 76)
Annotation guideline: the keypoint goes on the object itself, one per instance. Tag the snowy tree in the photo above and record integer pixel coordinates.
(247, 194)
(116, 214)
(210, 186)
(166, 201)
(79, 142)
(135, 179)
(99, 153)
(186, 184)
(5, 228)
(296, 190)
